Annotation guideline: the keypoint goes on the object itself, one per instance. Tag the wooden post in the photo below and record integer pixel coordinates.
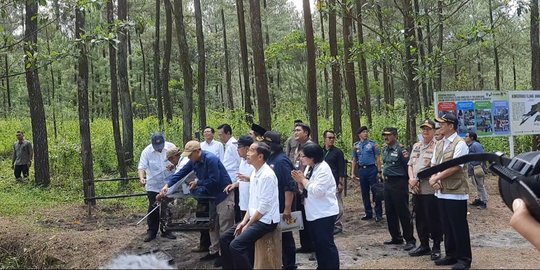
(268, 251)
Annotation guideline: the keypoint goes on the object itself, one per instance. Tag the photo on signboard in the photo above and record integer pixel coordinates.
(465, 117)
(446, 107)
(501, 117)
(484, 124)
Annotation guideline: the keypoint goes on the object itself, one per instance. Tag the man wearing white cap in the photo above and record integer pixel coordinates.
(212, 179)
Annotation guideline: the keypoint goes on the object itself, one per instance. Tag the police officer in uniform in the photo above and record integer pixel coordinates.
(396, 191)
(366, 164)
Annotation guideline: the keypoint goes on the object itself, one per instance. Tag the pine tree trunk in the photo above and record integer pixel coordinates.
(187, 73)
(37, 110)
(230, 104)
(410, 73)
(123, 85)
(245, 63)
(165, 68)
(363, 63)
(261, 80)
(336, 73)
(120, 156)
(84, 121)
(157, 79)
(350, 81)
(201, 64)
(311, 73)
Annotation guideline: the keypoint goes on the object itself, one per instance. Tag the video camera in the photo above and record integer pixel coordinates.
(519, 177)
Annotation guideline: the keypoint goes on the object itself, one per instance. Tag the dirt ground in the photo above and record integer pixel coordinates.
(65, 237)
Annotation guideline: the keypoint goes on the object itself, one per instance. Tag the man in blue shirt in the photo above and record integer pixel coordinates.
(367, 162)
(212, 180)
(287, 187)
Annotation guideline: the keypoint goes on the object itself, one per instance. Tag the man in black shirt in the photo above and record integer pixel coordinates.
(335, 159)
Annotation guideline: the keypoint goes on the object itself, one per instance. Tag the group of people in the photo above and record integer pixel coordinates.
(254, 181)
(256, 184)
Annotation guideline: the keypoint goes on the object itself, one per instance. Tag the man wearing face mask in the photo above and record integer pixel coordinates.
(152, 172)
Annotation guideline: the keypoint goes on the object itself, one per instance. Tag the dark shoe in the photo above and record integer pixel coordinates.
(199, 249)
(168, 235)
(393, 242)
(209, 257)
(218, 262)
(149, 237)
(420, 251)
(378, 219)
(435, 254)
(303, 250)
(337, 231)
(409, 246)
(460, 266)
(476, 202)
(446, 261)
(366, 218)
(482, 205)
(312, 257)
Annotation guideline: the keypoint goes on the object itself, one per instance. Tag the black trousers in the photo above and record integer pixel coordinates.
(288, 250)
(237, 251)
(237, 213)
(153, 219)
(322, 233)
(428, 221)
(457, 242)
(305, 236)
(396, 203)
(18, 169)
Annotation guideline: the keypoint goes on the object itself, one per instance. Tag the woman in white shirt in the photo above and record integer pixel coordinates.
(320, 203)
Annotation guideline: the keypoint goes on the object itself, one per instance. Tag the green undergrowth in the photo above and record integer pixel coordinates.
(66, 169)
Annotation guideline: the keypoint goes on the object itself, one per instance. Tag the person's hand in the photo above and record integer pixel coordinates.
(354, 177)
(414, 185)
(230, 187)
(340, 187)
(170, 166)
(164, 190)
(287, 215)
(298, 176)
(142, 181)
(192, 185)
(525, 224)
(434, 182)
(239, 227)
(242, 177)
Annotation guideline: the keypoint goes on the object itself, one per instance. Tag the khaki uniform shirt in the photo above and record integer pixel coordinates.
(421, 155)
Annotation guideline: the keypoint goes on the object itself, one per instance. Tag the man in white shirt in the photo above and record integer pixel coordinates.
(152, 172)
(452, 193)
(238, 243)
(231, 161)
(244, 172)
(212, 145)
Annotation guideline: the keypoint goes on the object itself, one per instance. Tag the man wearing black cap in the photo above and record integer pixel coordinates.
(287, 188)
(396, 191)
(256, 132)
(366, 160)
(152, 172)
(244, 172)
(452, 192)
(425, 202)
